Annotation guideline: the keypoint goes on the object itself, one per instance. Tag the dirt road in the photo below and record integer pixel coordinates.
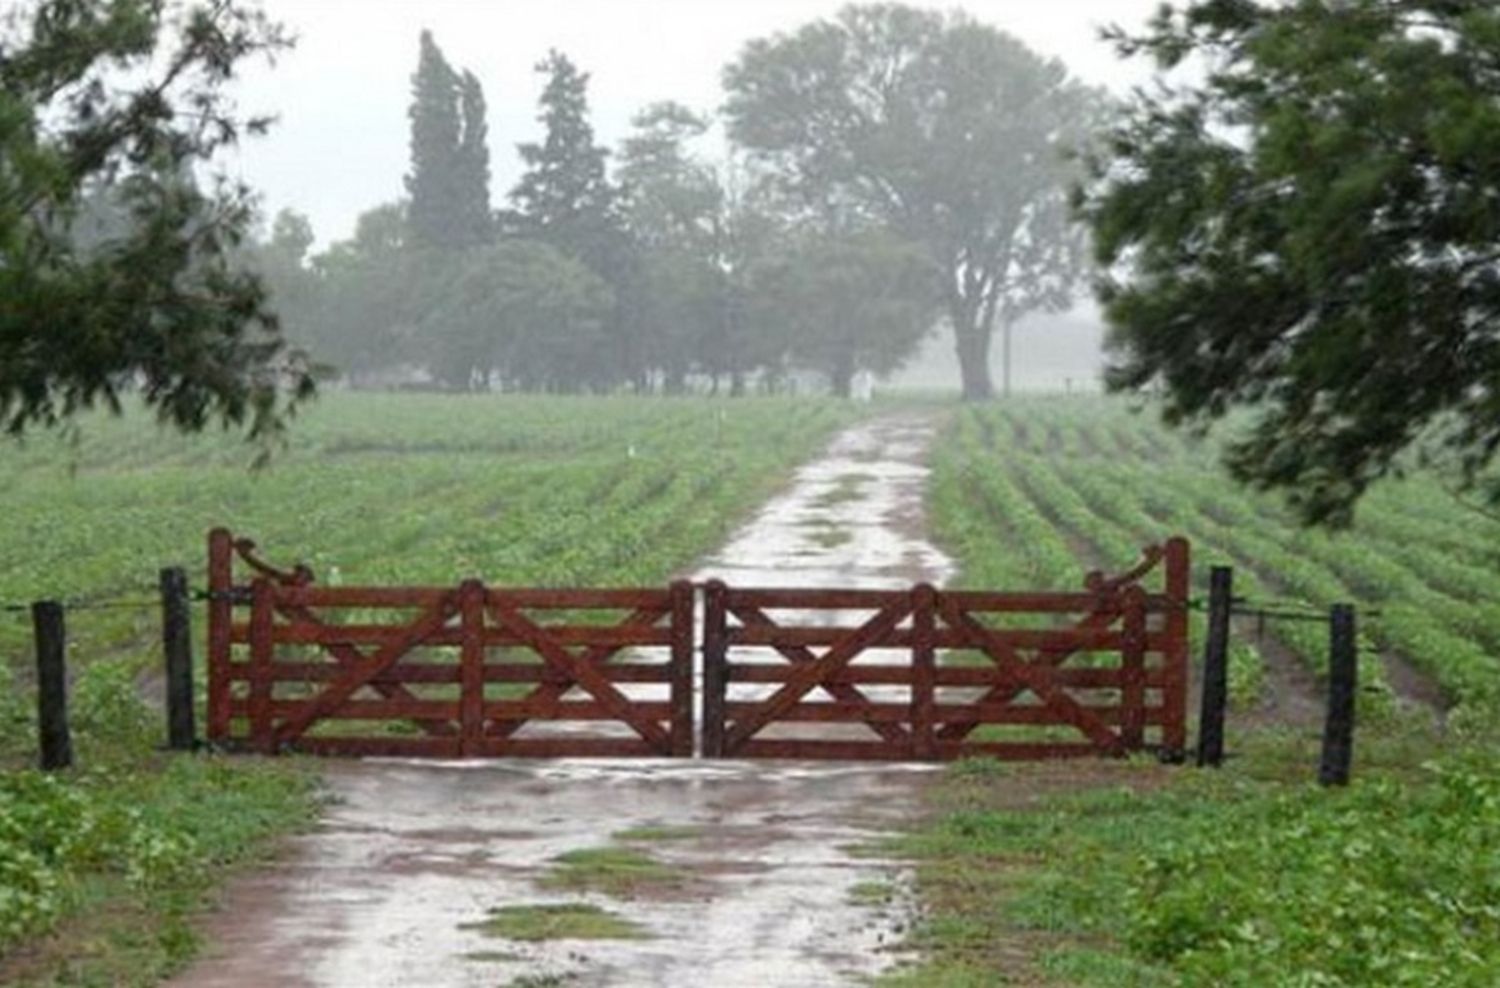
(760, 882)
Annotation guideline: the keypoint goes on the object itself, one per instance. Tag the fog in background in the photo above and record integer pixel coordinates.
(340, 145)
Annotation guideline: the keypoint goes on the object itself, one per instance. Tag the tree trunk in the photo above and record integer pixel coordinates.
(841, 378)
(736, 384)
(973, 345)
(1005, 356)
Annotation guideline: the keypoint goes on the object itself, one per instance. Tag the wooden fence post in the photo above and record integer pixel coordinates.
(55, 742)
(715, 659)
(220, 617)
(177, 649)
(923, 670)
(681, 686)
(1178, 557)
(471, 603)
(1133, 670)
(1215, 668)
(1343, 680)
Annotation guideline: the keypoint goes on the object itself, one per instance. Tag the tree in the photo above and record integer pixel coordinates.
(565, 200)
(949, 131)
(372, 292)
(448, 184)
(857, 302)
(1313, 231)
(127, 96)
(671, 204)
(564, 197)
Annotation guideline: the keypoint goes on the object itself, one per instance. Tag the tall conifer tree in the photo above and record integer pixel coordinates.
(564, 197)
(449, 179)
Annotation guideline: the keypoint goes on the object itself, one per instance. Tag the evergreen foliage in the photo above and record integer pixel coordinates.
(118, 262)
(1313, 229)
(448, 184)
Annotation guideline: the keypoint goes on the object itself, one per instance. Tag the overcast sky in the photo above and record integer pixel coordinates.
(341, 96)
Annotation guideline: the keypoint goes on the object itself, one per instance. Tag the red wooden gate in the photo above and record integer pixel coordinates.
(1033, 682)
(453, 672)
(479, 671)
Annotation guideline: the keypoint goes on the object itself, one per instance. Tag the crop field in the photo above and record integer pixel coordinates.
(379, 489)
(1251, 875)
(1033, 492)
(1188, 878)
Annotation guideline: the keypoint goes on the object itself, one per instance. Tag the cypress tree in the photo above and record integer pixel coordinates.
(474, 164)
(449, 180)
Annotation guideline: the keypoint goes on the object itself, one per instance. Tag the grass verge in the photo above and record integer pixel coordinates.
(557, 921)
(1137, 875)
(617, 871)
(103, 870)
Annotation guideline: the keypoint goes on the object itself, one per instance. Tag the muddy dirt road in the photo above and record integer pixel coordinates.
(385, 890)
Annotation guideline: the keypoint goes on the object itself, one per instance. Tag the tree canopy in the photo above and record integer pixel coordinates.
(949, 131)
(122, 102)
(1311, 228)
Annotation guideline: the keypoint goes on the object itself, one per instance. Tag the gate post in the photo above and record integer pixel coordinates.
(1343, 681)
(681, 675)
(715, 660)
(923, 670)
(1175, 648)
(54, 741)
(220, 615)
(1215, 668)
(177, 647)
(471, 602)
(262, 641)
(1133, 670)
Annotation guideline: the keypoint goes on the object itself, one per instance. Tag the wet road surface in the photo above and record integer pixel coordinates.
(381, 892)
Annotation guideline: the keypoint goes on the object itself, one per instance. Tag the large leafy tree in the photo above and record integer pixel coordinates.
(1310, 225)
(948, 130)
(123, 101)
(448, 184)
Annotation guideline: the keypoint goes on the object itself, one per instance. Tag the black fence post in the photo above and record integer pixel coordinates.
(177, 647)
(1215, 668)
(56, 744)
(1343, 680)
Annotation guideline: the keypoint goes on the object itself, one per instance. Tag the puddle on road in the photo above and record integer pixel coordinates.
(385, 891)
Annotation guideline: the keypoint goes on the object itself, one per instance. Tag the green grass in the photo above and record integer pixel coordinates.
(658, 832)
(872, 894)
(103, 870)
(1246, 877)
(617, 871)
(557, 921)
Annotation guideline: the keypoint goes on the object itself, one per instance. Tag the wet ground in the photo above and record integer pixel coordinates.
(410, 853)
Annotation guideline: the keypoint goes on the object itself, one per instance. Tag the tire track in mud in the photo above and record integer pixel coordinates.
(409, 855)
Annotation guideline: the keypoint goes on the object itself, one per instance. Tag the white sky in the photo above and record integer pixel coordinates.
(341, 96)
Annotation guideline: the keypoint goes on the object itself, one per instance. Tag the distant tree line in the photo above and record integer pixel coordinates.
(889, 167)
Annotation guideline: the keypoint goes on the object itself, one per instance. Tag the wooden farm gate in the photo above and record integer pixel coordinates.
(475, 671)
(309, 664)
(1105, 668)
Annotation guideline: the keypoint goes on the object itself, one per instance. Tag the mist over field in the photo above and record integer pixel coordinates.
(534, 493)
